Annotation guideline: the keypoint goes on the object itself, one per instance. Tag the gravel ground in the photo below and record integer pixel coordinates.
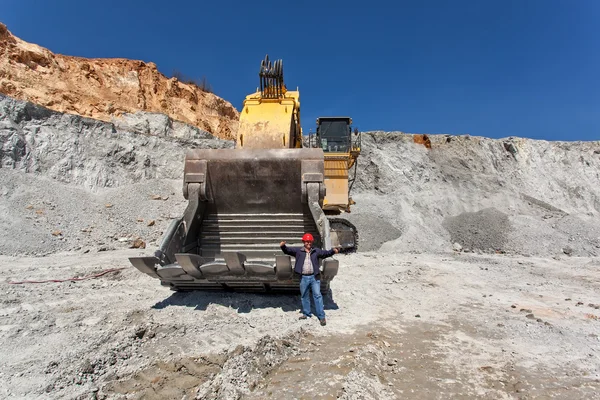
(44, 216)
(399, 326)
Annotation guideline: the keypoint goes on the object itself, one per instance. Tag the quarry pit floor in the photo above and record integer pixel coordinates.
(420, 326)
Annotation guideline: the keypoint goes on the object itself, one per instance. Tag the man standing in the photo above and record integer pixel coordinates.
(307, 265)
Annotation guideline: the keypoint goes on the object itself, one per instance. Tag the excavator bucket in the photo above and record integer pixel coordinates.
(241, 205)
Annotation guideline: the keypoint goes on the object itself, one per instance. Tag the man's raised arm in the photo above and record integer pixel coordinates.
(290, 251)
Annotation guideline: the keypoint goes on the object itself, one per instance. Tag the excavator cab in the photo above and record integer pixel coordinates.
(341, 148)
(334, 134)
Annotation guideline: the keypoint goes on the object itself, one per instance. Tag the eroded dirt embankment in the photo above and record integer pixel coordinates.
(106, 88)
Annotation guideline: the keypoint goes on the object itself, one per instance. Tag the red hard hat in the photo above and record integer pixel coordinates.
(307, 238)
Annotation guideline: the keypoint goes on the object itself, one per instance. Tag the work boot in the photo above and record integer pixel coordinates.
(303, 317)
(323, 322)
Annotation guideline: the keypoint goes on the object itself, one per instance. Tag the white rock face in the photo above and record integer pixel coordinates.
(96, 154)
(91, 180)
(509, 195)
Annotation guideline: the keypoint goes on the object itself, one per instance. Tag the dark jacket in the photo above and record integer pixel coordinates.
(300, 254)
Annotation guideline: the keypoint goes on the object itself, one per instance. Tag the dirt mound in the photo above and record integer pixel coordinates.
(246, 367)
(104, 88)
(546, 194)
(44, 216)
(483, 230)
(231, 374)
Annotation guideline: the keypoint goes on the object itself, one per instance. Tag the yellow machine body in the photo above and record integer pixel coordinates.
(336, 182)
(340, 153)
(243, 202)
(270, 123)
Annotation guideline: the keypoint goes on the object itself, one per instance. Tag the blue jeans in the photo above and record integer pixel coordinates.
(309, 281)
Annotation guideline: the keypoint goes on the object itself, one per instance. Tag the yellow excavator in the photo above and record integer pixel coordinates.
(341, 150)
(242, 202)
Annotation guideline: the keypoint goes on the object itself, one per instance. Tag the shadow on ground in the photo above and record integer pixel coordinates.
(242, 302)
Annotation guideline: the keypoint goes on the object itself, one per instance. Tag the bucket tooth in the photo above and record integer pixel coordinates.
(330, 268)
(191, 263)
(146, 265)
(172, 271)
(235, 262)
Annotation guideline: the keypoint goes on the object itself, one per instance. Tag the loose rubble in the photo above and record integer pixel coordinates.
(430, 333)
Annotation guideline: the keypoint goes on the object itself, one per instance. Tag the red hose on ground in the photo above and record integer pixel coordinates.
(106, 271)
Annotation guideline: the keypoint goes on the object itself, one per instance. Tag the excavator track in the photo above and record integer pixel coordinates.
(344, 234)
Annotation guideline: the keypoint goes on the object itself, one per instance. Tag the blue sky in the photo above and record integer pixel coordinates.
(484, 67)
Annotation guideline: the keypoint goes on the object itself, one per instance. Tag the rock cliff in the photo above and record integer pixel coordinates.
(105, 89)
